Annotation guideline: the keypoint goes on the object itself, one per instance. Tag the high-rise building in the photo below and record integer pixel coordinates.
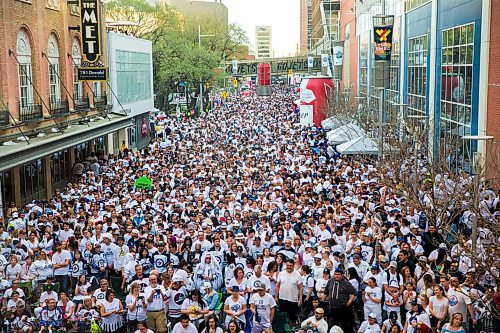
(305, 26)
(263, 42)
(324, 25)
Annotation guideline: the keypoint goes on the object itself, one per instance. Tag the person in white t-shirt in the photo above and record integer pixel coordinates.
(289, 291)
(263, 307)
(370, 324)
(184, 325)
(61, 260)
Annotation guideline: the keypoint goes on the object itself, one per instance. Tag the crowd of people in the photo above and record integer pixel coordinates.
(253, 223)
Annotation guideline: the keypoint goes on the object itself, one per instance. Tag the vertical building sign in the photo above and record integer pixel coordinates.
(382, 37)
(90, 29)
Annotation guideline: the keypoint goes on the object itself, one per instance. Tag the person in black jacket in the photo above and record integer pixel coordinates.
(340, 294)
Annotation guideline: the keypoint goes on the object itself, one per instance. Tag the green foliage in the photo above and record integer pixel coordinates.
(176, 54)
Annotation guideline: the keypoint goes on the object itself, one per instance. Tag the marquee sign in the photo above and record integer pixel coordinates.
(278, 66)
(90, 30)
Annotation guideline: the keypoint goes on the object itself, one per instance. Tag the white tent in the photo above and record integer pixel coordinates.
(329, 124)
(344, 134)
(359, 146)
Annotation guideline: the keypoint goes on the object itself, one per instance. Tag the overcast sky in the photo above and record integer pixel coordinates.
(282, 15)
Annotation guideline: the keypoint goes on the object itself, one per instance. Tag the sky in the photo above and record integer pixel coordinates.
(282, 15)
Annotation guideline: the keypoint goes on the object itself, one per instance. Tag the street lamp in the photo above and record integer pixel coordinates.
(476, 169)
(201, 79)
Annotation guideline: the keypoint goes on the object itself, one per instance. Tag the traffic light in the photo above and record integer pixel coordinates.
(290, 72)
(235, 83)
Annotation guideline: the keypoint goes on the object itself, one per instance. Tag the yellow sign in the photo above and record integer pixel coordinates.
(290, 72)
(224, 94)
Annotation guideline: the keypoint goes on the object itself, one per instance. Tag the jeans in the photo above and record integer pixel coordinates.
(63, 281)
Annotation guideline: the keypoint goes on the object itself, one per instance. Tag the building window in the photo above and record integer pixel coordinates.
(417, 74)
(53, 56)
(77, 59)
(412, 4)
(456, 93)
(81, 151)
(132, 138)
(96, 87)
(31, 181)
(6, 188)
(23, 49)
(59, 167)
(133, 75)
(363, 69)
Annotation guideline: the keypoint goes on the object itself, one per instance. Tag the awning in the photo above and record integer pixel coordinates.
(359, 146)
(21, 152)
(333, 123)
(344, 134)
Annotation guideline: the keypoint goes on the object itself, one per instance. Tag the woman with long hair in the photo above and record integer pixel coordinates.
(438, 307)
(78, 268)
(194, 306)
(407, 276)
(429, 284)
(212, 325)
(67, 308)
(144, 259)
(136, 306)
(233, 327)
(238, 280)
(272, 274)
(83, 289)
(416, 319)
(47, 243)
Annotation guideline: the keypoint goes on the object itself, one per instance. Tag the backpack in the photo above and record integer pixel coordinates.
(387, 273)
(314, 292)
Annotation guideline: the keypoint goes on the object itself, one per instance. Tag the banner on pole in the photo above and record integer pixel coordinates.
(382, 37)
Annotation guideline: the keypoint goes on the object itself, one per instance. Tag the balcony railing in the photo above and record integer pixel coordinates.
(30, 112)
(82, 104)
(4, 117)
(59, 108)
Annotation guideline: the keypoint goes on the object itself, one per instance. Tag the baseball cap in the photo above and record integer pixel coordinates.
(393, 264)
(384, 259)
(319, 310)
(177, 278)
(391, 231)
(258, 286)
(393, 315)
(372, 315)
(235, 288)
(413, 226)
(206, 285)
(422, 258)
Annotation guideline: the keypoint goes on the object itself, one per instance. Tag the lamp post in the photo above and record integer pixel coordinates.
(201, 79)
(476, 170)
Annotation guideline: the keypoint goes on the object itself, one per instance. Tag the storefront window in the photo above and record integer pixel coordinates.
(6, 187)
(417, 75)
(82, 151)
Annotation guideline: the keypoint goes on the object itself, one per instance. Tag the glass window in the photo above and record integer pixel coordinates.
(133, 76)
(456, 93)
(54, 86)
(417, 75)
(363, 68)
(31, 181)
(59, 166)
(412, 4)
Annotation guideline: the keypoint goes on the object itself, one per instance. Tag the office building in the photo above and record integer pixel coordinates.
(263, 42)
(305, 26)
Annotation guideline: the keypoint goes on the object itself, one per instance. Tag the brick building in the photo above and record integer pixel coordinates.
(49, 119)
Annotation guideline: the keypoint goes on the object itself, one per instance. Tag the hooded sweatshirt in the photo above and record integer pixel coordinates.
(338, 292)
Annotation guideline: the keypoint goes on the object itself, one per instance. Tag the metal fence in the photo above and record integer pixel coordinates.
(30, 112)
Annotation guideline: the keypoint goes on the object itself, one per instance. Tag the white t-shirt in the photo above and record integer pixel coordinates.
(263, 279)
(375, 292)
(139, 313)
(99, 296)
(235, 306)
(365, 326)
(458, 302)
(438, 305)
(263, 306)
(157, 301)
(178, 328)
(289, 285)
(60, 258)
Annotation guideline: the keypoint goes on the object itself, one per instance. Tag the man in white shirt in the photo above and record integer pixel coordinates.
(184, 326)
(156, 295)
(370, 325)
(256, 278)
(315, 323)
(60, 262)
(263, 307)
(289, 291)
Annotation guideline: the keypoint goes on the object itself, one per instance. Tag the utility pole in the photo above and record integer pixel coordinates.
(201, 79)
